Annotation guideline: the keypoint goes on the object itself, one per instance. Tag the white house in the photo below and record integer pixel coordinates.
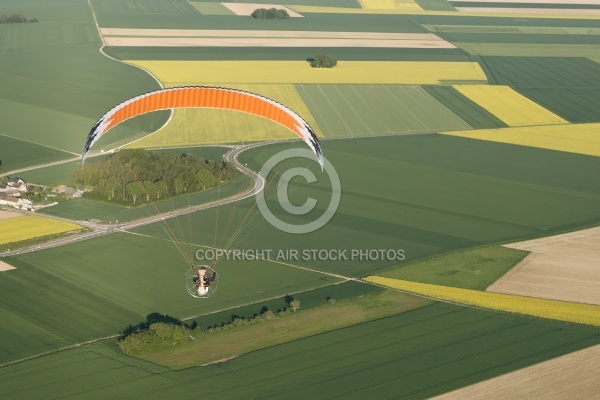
(19, 184)
(16, 202)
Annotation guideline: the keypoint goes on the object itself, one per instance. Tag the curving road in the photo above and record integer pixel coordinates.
(101, 230)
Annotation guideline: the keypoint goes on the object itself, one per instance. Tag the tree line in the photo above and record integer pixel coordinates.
(141, 176)
(161, 331)
(15, 19)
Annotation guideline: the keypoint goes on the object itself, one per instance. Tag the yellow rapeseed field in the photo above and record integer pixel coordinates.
(406, 5)
(509, 106)
(31, 227)
(553, 309)
(228, 73)
(576, 138)
(211, 126)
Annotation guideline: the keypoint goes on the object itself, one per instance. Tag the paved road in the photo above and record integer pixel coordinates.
(101, 230)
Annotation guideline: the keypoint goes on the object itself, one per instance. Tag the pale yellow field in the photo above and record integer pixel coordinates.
(31, 227)
(576, 138)
(544, 308)
(407, 5)
(509, 106)
(211, 126)
(177, 73)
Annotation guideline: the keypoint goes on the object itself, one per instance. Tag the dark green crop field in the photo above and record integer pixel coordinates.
(161, 14)
(98, 287)
(426, 194)
(576, 105)
(18, 154)
(466, 109)
(413, 355)
(284, 53)
(561, 72)
(565, 5)
(414, 205)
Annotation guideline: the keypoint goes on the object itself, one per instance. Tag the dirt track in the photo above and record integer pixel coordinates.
(562, 267)
(8, 214)
(572, 376)
(250, 38)
(5, 267)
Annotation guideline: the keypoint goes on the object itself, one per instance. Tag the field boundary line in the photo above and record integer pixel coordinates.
(39, 144)
(69, 347)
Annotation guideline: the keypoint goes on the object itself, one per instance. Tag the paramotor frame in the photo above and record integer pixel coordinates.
(201, 281)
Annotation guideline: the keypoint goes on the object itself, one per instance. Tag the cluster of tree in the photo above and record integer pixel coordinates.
(322, 60)
(271, 13)
(15, 19)
(157, 332)
(141, 176)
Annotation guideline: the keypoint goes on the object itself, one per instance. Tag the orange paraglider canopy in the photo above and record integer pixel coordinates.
(205, 97)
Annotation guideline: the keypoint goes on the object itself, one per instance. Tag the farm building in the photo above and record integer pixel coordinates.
(16, 202)
(18, 183)
(9, 191)
(70, 192)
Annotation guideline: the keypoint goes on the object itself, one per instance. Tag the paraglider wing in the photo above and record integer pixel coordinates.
(205, 97)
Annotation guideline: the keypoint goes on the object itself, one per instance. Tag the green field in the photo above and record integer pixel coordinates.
(285, 53)
(470, 269)
(127, 276)
(371, 110)
(96, 288)
(576, 105)
(56, 84)
(17, 154)
(565, 5)
(308, 299)
(415, 355)
(446, 203)
(294, 326)
(161, 14)
(559, 72)
(435, 5)
(440, 194)
(530, 49)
